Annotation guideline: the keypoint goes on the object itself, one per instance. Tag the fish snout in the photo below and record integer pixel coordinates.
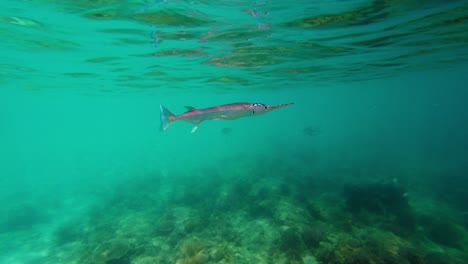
(279, 106)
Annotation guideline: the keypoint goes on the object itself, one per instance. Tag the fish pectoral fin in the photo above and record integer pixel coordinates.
(194, 128)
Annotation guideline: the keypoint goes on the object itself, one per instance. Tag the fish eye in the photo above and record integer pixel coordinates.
(265, 106)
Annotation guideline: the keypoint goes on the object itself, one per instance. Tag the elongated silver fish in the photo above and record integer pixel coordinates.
(227, 111)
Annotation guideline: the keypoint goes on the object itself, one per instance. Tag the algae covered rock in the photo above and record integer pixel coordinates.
(114, 249)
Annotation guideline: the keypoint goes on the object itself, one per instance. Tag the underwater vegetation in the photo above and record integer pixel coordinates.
(259, 211)
(368, 246)
(442, 230)
(386, 200)
(111, 251)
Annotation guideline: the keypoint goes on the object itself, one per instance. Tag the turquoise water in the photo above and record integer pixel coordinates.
(368, 166)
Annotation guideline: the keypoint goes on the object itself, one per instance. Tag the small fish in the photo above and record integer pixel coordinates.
(311, 131)
(228, 111)
(226, 130)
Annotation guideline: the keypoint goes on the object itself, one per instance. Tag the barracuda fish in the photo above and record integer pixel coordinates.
(228, 111)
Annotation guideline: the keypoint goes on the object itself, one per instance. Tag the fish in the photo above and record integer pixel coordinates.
(311, 131)
(226, 130)
(227, 112)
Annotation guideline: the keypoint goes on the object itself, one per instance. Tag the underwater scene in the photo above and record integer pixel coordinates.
(216, 132)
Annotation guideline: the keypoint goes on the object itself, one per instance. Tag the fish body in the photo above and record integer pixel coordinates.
(227, 111)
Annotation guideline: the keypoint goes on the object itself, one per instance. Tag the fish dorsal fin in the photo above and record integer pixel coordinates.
(190, 108)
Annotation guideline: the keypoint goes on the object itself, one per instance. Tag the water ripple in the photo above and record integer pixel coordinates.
(356, 40)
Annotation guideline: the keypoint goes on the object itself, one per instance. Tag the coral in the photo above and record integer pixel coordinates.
(192, 252)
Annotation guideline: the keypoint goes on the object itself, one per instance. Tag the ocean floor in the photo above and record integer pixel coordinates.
(243, 211)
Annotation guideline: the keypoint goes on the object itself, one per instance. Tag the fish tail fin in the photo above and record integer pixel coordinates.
(166, 117)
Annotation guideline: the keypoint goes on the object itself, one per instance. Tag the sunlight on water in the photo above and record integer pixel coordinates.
(367, 166)
(262, 41)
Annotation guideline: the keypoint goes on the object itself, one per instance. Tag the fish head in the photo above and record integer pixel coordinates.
(259, 108)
